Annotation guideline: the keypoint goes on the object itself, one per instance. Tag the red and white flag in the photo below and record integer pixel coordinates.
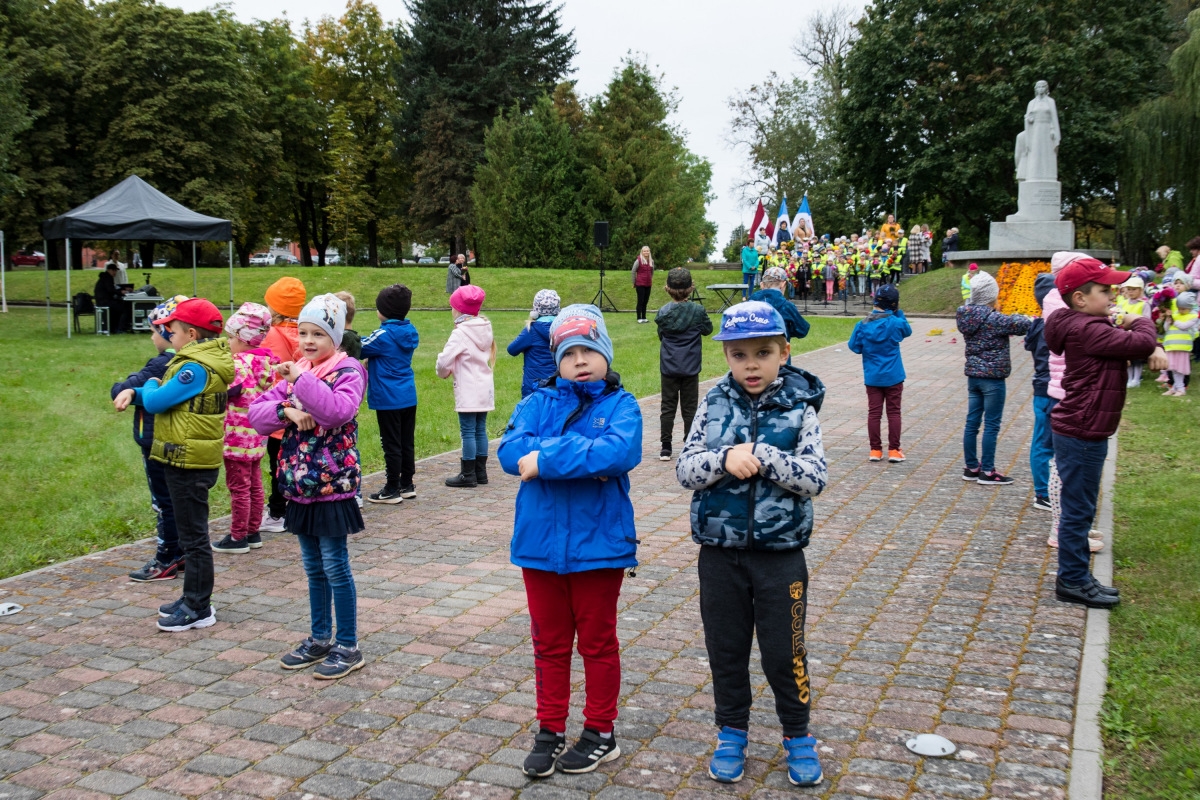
(761, 218)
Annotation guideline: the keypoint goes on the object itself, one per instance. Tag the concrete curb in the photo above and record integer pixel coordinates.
(1087, 748)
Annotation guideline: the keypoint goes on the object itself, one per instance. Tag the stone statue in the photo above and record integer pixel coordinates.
(1037, 146)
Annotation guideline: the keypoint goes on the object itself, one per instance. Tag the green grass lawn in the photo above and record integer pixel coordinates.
(73, 475)
(1152, 709)
(936, 292)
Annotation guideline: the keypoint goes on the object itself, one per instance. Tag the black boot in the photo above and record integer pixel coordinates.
(465, 479)
(481, 470)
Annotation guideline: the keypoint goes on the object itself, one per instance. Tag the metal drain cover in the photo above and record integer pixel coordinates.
(930, 744)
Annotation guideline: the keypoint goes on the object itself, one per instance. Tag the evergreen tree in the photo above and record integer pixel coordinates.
(527, 193)
(733, 251)
(469, 58)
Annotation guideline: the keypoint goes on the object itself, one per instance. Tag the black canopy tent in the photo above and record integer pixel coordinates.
(133, 209)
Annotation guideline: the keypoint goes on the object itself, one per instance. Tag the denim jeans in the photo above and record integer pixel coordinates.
(748, 279)
(1041, 448)
(985, 403)
(330, 584)
(473, 426)
(160, 501)
(1080, 463)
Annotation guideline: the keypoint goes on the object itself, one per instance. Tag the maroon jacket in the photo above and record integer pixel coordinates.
(1094, 382)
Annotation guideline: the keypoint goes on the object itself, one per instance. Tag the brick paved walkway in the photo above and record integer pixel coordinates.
(931, 610)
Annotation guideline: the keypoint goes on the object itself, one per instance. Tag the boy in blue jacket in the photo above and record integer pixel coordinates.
(534, 342)
(754, 461)
(877, 339)
(168, 558)
(392, 391)
(573, 442)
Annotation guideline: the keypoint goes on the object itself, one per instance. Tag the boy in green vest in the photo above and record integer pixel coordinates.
(189, 431)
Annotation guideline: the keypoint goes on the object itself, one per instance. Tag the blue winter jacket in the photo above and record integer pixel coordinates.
(391, 384)
(877, 339)
(794, 322)
(567, 519)
(143, 420)
(534, 342)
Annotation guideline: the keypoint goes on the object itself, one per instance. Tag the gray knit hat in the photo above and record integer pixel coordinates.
(984, 290)
(546, 303)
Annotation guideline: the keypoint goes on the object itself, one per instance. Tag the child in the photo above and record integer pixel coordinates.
(1133, 301)
(877, 339)
(831, 272)
(1090, 412)
(351, 341)
(681, 324)
(755, 460)
(244, 448)
(285, 298)
(469, 355)
(393, 391)
(189, 428)
(315, 404)
(534, 341)
(168, 558)
(1181, 332)
(1041, 447)
(986, 333)
(771, 293)
(574, 534)
(965, 283)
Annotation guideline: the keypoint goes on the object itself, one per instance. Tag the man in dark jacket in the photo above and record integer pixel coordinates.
(109, 296)
(773, 282)
(682, 325)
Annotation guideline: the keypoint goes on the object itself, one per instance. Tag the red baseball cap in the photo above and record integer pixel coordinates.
(1087, 270)
(197, 312)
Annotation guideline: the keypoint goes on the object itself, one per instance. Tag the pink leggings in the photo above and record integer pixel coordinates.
(828, 290)
(244, 479)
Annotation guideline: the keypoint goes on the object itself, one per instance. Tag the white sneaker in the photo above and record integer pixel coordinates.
(271, 525)
(359, 501)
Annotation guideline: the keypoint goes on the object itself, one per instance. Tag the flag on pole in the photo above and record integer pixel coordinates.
(803, 221)
(760, 219)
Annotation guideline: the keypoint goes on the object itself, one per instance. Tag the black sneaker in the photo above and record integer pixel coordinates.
(387, 495)
(184, 619)
(1087, 594)
(254, 540)
(1042, 504)
(547, 747)
(340, 661)
(231, 545)
(156, 570)
(664, 454)
(970, 474)
(307, 653)
(993, 478)
(589, 752)
(408, 492)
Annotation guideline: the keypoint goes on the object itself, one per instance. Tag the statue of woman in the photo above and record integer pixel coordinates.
(1037, 145)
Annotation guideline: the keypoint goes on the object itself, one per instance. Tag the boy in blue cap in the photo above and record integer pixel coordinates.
(573, 441)
(755, 460)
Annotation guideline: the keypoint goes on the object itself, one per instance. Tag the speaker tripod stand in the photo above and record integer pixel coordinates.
(602, 301)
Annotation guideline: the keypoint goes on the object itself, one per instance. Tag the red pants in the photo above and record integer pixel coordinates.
(244, 479)
(561, 606)
(876, 396)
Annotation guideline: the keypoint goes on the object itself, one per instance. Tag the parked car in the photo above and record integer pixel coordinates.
(286, 258)
(426, 260)
(333, 260)
(28, 258)
(262, 260)
(444, 260)
(160, 263)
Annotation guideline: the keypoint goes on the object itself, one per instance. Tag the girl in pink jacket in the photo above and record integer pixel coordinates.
(469, 355)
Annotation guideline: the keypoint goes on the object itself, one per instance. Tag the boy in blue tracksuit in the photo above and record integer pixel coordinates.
(168, 558)
(573, 442)
(392, 391)
(877, 339)
(754, 461)
(534, 342)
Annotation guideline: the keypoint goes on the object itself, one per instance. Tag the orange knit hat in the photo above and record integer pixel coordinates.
(286, 297)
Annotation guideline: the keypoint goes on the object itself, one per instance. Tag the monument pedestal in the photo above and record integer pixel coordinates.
(1038, 201)
(1033, 235)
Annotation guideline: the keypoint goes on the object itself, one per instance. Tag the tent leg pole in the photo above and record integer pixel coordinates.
(3, 277)
(193, 269)
(46, 271)
(231, 276)
(69, 309)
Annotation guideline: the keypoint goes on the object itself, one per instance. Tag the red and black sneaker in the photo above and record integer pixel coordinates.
(156, 570)
(993, 478)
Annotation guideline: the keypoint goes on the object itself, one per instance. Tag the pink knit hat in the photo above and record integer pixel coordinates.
(249, 323)
(468, 300)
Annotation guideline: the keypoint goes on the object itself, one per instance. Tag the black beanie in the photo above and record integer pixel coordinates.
(394, 301)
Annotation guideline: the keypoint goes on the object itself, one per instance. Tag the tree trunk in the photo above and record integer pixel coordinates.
(300, 215)
(373, 242)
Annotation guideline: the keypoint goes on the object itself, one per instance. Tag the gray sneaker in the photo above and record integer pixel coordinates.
(307, 653)
(340, 661)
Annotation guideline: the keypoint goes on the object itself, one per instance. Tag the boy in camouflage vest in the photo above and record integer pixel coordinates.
(755, 460)
(189, 432)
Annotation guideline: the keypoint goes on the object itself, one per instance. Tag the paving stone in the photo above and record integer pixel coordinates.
(393, 790)
(289, 766)
(317, 751)
(220, 766)
(111, 782)
(425, 775)
(335, 786)
(370, 771)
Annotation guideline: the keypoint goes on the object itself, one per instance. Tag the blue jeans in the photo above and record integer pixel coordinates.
(330, 584)
(1041, 448)
(985, 402)
(473, 427)
(160, 501)
(748, 279)
(1080, 463)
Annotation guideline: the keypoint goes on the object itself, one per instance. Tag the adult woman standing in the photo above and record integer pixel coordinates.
(918, 248)
(950, 247)
(643, 280)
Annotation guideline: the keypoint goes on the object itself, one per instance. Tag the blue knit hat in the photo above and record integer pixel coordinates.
(580, 324)
(753, 319)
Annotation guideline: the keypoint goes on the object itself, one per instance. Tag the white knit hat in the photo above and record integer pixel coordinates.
(1062, 258)
(984, 290)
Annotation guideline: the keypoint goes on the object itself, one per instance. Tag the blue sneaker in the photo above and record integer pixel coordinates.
(804, 768)
(728, 763)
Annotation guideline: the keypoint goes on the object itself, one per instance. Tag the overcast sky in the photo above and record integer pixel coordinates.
(706, 49)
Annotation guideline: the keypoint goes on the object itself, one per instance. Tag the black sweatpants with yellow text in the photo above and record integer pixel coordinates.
(744, 592)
